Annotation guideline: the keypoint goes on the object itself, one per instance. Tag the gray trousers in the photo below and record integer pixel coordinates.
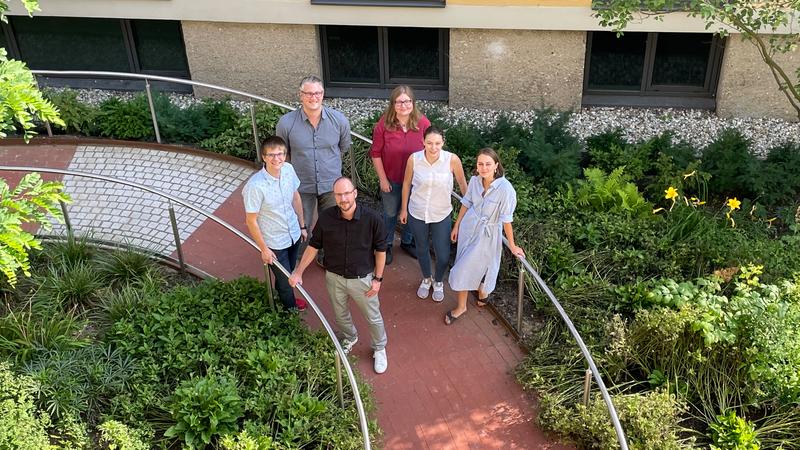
(313, 204)
(339, 289)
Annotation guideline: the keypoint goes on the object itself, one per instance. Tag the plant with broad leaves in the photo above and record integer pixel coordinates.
(32, 201)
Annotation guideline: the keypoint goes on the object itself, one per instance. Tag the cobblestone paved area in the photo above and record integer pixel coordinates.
(139, 217)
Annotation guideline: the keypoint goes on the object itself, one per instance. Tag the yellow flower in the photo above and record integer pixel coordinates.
(733, 203)
(690, 174)
(657, 210)
(671, 193)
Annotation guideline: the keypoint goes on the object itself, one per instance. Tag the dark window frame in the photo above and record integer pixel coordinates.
(391, 3)
(658, 95)
(425, 88)
(126, 28)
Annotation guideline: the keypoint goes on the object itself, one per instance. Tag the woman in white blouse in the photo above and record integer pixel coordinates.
(427, 208)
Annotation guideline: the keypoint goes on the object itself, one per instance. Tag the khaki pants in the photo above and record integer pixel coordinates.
(339, 289)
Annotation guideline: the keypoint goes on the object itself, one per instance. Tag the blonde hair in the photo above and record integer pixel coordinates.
(390, 115)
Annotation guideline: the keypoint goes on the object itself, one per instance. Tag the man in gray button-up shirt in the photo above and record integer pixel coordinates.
(316, 137)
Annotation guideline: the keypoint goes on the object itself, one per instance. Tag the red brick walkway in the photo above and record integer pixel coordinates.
(447, 387)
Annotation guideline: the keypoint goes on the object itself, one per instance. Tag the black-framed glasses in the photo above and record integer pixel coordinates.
(404, 102)
(313, 94)
(275, 155)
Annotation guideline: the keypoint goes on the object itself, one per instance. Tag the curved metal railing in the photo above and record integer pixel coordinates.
(340, 355)
(525, 266)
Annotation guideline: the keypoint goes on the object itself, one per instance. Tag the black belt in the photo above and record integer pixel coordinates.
(353, 277)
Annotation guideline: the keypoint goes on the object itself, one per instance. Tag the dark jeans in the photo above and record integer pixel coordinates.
(288, 259)
(391, 208)
(440, 235)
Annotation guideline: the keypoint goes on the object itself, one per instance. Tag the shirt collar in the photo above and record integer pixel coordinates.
(303, 114)
(356, 214)
(269, 176)
(439, 159)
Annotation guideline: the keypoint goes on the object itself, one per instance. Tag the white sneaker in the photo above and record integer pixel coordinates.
(424, 288)
(438, 291)
(347, 345)
(381, 363)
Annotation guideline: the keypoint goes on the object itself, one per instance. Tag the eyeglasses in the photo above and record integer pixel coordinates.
(275, 155)
(313, 94)
(403, 102)
(343, 194)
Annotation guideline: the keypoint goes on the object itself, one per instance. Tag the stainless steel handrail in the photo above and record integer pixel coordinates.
(138, 76)
(339, 350)
(584, 350)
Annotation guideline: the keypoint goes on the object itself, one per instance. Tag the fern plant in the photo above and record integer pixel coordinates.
(613, 193)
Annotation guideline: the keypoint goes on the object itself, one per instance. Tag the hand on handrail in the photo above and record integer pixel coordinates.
(267, 256)
(516, 251)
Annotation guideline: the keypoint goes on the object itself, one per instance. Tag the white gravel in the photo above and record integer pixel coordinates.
(698, 127)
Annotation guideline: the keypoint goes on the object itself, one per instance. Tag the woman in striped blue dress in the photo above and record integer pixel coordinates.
(487, 211)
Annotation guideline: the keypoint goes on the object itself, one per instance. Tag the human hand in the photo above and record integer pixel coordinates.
(295, 279)
(386, 186)
(403, 217)
(517, 251)
(267, 256)
(303, 235)
(454, 234)
(374, 288)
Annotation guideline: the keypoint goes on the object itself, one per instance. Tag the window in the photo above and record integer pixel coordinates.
(412, 3)
(370, 61)
(117, 45)
(652, 69)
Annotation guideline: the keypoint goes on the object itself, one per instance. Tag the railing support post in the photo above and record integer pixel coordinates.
(176, 234)
(268, 279)
(255, 132)
(339, 380)
(67, 223)
(152, 110)
(46, 123)
(587, 384)
(520, 296)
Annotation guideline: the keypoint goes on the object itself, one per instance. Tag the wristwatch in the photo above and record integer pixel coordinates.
(377, 278)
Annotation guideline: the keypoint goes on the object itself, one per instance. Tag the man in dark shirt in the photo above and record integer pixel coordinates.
(354, 242)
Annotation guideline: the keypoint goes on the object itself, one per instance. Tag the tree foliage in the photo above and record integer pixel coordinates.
(30, 202)
(21, 102)
(768, 24)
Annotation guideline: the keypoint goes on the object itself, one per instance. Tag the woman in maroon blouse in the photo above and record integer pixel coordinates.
(397, 135)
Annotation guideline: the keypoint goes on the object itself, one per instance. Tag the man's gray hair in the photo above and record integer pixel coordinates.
(311, 79)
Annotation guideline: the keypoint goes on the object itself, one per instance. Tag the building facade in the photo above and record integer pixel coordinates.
(517, 54)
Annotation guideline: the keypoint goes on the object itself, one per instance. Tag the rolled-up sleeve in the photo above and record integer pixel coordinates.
(345, 140)
(467, 199)
(379, 241)
(509, 204)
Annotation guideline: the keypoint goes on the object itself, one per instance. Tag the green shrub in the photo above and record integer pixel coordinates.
(126, 266)
(650, 420)
(22, 426)
(608, 193)
(203, 408)
(551, 155)
(734, 168)
(80, 382)
(70, 252)
(781, 174)
(609, 151)
(78, 117)
(116, 435)
(24, 334)
(238, 140)
(68, 287)
(126, 119)
(731, 432)
(194, 123)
